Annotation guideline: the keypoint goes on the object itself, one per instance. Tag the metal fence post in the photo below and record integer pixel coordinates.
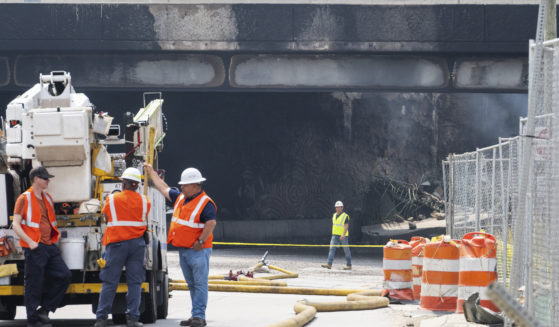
(491, 229)
(478, 191)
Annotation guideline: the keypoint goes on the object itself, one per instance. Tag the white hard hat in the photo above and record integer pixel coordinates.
(132, 174)
(338, 204)
(191, 176)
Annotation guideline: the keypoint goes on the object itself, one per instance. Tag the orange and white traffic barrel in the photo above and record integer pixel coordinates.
(417, 244)
(478, 268)
(396, 264)
(439, 283)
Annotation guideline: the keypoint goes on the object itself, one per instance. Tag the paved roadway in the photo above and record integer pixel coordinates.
(247, 309)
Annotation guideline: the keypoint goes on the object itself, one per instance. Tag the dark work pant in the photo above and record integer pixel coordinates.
(44, 267)
(129, 254)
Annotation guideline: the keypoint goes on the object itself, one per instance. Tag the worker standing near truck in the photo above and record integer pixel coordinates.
(191, 231)
(35, 224)
(125, 245)
(340, 227)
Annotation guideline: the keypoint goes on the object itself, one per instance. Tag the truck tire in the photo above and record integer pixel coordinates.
(10, 311)
(149, 316)
(163, 307)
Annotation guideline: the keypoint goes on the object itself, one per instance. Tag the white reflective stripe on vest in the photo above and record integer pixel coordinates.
(127, 223)
(441, 265)
(30, 223)
(49, 200)
(464, 292)
(478, 264)
(195, 211)
(115, 218)
(417, 281)
(418, 261)
(144, 208)
(29, 214)
(439, 290)
(343, 217)
(388, 264)
(187, 223)
(179, 199)
(112, 207)
(391, 285)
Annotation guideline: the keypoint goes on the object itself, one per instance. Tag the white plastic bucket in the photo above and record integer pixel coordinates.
(73, 251)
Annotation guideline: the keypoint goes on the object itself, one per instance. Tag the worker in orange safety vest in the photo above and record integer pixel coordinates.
(191, 231)
(125, 245)
(35, 224)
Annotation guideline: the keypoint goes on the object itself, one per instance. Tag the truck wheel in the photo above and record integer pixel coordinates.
(9, 312)
(149, 316)
(163, 307)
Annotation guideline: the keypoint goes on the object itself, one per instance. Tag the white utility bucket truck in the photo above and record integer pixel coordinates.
(53, 126)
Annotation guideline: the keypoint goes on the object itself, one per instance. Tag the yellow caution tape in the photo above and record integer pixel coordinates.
(298, 245)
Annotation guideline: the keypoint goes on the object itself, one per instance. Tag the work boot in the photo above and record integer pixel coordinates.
(100, 322)
(133, 322)
(43, 315)
(186, 322)
(198, 322)
(327, 266)
(347, 267)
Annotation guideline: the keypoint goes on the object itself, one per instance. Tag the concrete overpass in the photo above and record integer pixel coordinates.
(292, 105)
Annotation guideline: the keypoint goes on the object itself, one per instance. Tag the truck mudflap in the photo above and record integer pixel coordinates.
(75, 288)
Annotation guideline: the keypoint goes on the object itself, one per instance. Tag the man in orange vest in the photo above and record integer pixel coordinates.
(191, 231)
(35, 224)
(124, 242)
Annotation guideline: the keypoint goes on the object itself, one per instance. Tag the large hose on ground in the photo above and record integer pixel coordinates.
(247, 281)
(306, 310)
(268, 289)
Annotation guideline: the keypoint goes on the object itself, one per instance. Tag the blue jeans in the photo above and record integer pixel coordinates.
(44, 270)
(195, 267)
(334, 244)
(128, 253)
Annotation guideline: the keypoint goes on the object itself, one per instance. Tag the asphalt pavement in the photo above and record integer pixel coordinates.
(256, 309)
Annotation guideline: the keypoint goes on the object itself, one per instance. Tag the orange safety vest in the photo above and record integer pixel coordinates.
(186, 227)
(32, 217)
(127, 216)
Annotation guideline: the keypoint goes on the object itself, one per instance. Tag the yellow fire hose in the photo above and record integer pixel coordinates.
(248, 281)
(267, 289)
(306, 311)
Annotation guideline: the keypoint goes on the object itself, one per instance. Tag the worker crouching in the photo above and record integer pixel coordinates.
(125, 246)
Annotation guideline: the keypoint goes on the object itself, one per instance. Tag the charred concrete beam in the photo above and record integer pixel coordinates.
(280, 72)
(305, 71)
(267, 27)
(165, 71)
(491, 73)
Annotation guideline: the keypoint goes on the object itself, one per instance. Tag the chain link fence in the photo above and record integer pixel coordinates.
(511, 190)
(480, 191)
